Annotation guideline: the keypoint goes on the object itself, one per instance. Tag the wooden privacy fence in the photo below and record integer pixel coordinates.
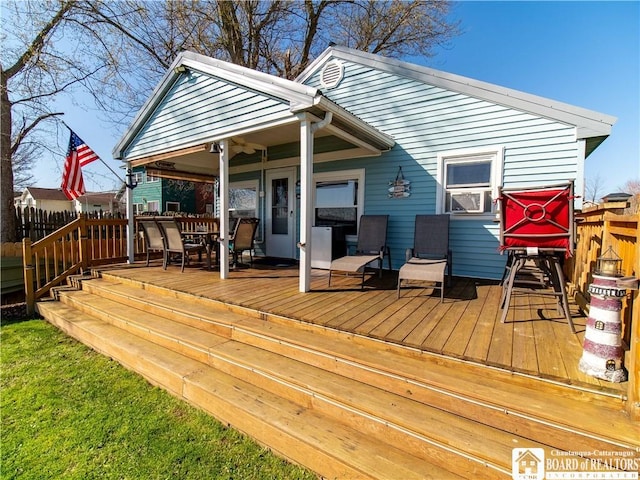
(81, 244)
(597, 229)
(35, 223)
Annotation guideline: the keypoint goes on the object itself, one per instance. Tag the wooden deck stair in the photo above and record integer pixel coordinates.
(343, 405)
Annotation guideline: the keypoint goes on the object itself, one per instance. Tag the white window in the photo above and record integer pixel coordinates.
(172, 207)
(243, 199)
(468, 181)
(138, 208)
(153, 206)
(338, 199)
(137, 177)
(152, 178)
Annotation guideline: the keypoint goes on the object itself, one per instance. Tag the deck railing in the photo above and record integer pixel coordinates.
(80, 245)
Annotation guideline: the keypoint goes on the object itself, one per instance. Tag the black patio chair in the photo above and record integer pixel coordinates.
(371, 247)
(430, 254)
(152, 236)
(174, 243)
(243, 238)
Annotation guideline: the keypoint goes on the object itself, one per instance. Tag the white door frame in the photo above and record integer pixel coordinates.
(281, 245)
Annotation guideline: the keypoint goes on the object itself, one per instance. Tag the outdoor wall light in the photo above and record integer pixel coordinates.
(180, 69)
(609, 264)
(215, 148)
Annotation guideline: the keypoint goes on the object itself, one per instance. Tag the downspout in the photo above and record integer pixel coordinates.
(322, 123)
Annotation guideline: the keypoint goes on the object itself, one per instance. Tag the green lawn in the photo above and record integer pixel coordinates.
(68, 412)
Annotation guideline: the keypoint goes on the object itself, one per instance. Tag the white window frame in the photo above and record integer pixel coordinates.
(138, 208)
(248, 185)
(340, 175)
(137, 177)
(151, 178)
(153, 202)
(493, 153)
(167, 209)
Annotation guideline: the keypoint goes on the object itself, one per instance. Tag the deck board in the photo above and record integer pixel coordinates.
(535, 338)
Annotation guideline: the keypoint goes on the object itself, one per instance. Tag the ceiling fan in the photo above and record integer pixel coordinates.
(239, 145)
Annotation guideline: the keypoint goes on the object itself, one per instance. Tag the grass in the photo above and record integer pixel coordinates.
(68, 412)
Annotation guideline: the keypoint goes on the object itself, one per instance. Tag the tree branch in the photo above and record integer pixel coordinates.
(24, 131)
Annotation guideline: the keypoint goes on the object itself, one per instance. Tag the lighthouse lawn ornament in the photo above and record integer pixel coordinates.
(602, 349)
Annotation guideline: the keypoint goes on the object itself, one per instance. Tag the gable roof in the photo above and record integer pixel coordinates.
(590, 125)
(298, 98)
(45, 193)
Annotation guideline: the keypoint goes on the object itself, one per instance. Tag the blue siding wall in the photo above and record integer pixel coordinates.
(195, 109)
(426, 120)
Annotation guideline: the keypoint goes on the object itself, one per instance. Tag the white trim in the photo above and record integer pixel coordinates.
(496, 153)
(579, 181)
(588, 122)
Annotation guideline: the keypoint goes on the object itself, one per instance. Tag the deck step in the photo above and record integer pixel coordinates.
(297, 433)
(541, 410)
(461, 418)
(423, 431)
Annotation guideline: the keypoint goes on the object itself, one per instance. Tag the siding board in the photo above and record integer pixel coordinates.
(426, 120)
(198, 106)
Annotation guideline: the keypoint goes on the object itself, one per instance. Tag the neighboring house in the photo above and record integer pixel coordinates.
(90, 202)
(54, 200)
(325, 149)
(158, 194)
(49, 199)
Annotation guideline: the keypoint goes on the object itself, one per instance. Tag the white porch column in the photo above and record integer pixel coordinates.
(306, 203)
(224, 209)
(130, 217)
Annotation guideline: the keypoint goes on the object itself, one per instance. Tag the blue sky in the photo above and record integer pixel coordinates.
(583, 53)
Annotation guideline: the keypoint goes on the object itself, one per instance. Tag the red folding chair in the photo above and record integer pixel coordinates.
(536, 230)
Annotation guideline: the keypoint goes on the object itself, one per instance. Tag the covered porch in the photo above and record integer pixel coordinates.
(534, 341)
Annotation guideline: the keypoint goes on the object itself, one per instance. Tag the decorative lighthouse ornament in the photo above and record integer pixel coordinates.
(602, 354)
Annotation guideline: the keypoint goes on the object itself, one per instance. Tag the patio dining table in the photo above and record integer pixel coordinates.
(208, 238)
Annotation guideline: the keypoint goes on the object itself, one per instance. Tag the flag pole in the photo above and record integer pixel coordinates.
(99, 158)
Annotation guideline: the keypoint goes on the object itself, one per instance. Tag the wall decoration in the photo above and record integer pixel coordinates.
(400, 187)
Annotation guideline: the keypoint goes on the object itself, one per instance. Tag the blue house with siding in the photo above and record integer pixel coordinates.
(324, 149)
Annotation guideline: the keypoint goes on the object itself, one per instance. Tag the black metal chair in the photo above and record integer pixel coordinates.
(243, 238)
(173, 243)
(371, 246)
(152, 236)
(430, 254)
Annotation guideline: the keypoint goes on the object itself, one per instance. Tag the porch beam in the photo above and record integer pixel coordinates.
(224, 209)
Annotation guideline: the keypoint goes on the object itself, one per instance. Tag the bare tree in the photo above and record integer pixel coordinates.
(593, 188)
(117, 51)
(631, 186)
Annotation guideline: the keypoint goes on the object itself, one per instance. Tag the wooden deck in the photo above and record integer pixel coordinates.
(536, 339)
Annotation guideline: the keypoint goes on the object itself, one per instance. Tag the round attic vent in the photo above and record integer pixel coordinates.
(331, 74)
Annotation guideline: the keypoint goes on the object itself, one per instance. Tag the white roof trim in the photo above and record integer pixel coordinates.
(588, 123)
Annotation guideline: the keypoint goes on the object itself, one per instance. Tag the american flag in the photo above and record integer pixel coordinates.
(78, 155)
